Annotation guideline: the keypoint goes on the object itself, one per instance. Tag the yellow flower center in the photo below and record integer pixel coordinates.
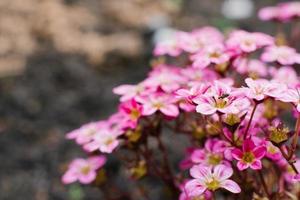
(214, 159)
(213, 184)
(85, 170)
(214, 55)
(248, 157)
(134, 114)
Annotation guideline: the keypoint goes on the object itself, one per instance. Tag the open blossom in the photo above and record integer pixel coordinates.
(280, 75)
(166, 78)
(159, 102)
(249, 156)
(282, 54)
(283, 12)
(220, 98)
(106, 140)
(210, 178)
(259, 89)
(250, 66)
(213, 54)
(244, 42)
(132, 112)
(292, 96)
(129, 91)
(85, 133)
(83, 170)
(211, 155)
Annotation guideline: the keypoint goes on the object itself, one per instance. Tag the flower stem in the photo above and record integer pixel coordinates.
(264, 184)
(251, 118)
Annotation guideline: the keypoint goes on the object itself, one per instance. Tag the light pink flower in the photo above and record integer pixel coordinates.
(269, 13)
(222, 98)
(167, 78)
(132, 112)
(208, 178)
(249, 156)
(106, 140)
(211, 155)
(212, 54)
(250, 66)
(197, 39)
(129, 91)
(159, 102)
(291, 96)
(259, 89)
(245, 42)
(86, 132)
(83, 170)
(280, 75)
(282, 54)
(190, 94)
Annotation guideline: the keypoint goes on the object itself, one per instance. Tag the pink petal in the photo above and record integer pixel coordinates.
(87, 178)
(69, 177)
(237, 154)
(200, 171)
(256, 165)
(242, 166)
(231, 186)
(259, 152)
(198, 156)
(97, 161)
(170, 110)
(222, 172)
(148, 110)
(205, 109)
(248, 145)
(195, 188)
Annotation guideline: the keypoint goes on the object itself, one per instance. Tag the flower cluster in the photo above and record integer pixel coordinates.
(230, 98)
(283, 12)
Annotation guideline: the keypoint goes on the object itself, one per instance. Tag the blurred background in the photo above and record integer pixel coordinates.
(60, 59)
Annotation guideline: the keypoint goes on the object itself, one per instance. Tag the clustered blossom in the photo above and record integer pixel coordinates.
(229, 97)
(283, 12)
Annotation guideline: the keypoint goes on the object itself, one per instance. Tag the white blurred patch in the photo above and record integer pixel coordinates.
(164, 35)
(237, 9)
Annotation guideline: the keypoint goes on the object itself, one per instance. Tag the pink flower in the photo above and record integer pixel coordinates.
(292, 96)
(250, 66)
(166, 78)
(211, 155)
(193, 92)
(279, 75)
(282, 54)
(220, 98)
(85, 133)
(83, 170)
(259, 89)
(212, 54)
(244, 42)
(132, 112)
(159, 102)
(208, 178)
(250, 156)
(269, 13)
(129, 91)
(106, 140)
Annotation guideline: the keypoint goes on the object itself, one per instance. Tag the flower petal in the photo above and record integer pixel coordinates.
(259, 152)
(231, 186)
(170, 110)
(237, 154)
(200, 171)
(248, 145)
(242, 166)
(205, 109)
(222, 172)
(256, 165)
(194, 188)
